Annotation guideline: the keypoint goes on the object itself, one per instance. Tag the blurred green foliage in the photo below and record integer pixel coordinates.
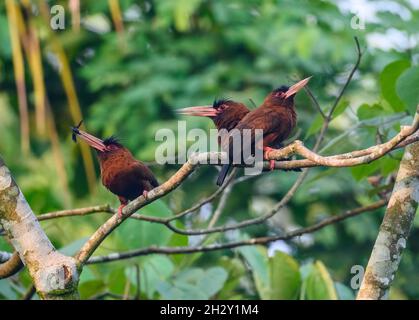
(173, 54)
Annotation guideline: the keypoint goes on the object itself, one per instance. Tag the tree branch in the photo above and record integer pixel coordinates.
(261, 240)
(394, 230)
(54, 274)
(11, 264)
(5, 256)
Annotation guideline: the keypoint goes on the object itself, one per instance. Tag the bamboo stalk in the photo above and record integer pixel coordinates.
(19, 70)
(31, 45)
(73, 102)
(115, 10)
(33, 53)
(74, 6)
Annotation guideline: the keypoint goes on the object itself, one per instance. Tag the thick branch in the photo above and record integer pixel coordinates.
(394, 230)
(54, 274)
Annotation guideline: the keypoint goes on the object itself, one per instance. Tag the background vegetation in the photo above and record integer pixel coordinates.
(129, 65)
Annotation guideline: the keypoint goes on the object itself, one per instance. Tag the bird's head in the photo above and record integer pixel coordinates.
(219, 107)
(284, 95)
(103, 147)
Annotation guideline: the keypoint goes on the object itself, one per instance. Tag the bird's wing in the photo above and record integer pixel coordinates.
(145, 174)
(262, 118)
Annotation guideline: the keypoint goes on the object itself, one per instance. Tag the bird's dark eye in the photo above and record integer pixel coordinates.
(111, 147)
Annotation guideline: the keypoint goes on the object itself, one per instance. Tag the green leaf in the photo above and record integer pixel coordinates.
(213, 280)
(257, 258)
(365, 170)
(117, 280)
(388, 165)
(388, 78)
(285, 278)
(407, 88)
(315, 126)
(236, 271)
(340, 108)
(319, 284)
(178, 240)
(135, 234)
(366, 111)
(193, 284)
(154, 269)
(90, 288)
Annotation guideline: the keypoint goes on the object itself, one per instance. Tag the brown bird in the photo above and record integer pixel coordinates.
(276, 117)
(225, 113)
(121, 173)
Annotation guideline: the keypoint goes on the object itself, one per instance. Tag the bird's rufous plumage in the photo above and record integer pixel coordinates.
(276, 117)
(121, 173)
(225, 113)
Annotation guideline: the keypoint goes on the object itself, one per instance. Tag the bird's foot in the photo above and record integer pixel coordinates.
(266, 151)
(145, 193)
(120, 211)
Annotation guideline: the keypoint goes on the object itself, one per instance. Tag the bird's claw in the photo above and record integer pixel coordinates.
(271, 165)
(266, 154)
(120, 211)
(145, 193)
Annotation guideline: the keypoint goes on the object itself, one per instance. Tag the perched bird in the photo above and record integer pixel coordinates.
(225, 113)
(121, 173)
(276, 117)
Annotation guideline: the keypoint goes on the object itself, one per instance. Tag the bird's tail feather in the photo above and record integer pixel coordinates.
(223, 174)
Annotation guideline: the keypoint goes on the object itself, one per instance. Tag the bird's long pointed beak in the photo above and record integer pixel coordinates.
(200, 111)
(90, 140)
(296, 87)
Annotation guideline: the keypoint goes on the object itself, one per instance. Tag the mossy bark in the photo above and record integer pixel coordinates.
(394, 230)
(54, 275)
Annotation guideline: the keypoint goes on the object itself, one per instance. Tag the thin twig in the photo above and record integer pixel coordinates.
(315, 102)
(261, 240)
(206, 200)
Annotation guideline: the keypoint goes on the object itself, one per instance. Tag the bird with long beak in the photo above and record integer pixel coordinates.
(225, 113)
(121, 173)
(276, 117)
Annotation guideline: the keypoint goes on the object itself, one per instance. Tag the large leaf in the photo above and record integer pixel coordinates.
(257, 258)
(90, 288)
(365, 170)
(154, 270)
(366, 111)
(315, 126)
(318, 284)
(285, 279)
(408, 88)
(193, 284)
(134, 234)
(388, 78)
